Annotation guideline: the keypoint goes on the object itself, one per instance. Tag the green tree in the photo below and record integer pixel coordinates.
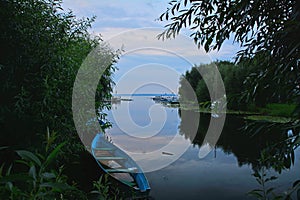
(233, 75)
(266, 30)
(42, 47)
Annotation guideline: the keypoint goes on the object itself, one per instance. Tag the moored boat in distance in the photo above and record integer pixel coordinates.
(158, 98)
(115, 99)
(126, 99)
(173, 100)
(167, 98)
(119, 165)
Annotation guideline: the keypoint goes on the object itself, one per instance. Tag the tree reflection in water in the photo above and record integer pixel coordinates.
(267, 147)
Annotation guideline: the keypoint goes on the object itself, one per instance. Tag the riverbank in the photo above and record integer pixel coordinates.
(273, 112)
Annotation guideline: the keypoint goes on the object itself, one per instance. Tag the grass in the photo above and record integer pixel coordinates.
(276, 109)
(273, 112)
(275, 119)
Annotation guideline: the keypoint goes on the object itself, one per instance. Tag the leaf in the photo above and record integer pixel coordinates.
(57, 186)
(259, 181)
(32, 172)
(4, 147)
(53, 154)
(27, 155)
(8, 170)
(206, 47)
(271, 178)
(293, 50)
(296, 183)
(297, 140)
(48, 175)
(257, 190)
(269, 190)
(185, 2)
(256, 174)
(10, 185)
(23, 177)
(287, 162)
(256, 193)
(1, 170)
(50, 139)
(278, 197)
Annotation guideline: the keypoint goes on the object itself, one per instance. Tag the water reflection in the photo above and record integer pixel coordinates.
(137, 128)
(268, 149)
(224, 173)
(245, 146)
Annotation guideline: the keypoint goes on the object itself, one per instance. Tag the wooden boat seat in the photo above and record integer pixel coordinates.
(104, 149)
(110, 158)
(121, 170)
(116, 163)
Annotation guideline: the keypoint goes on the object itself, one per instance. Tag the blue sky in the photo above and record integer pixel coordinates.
(133, 26)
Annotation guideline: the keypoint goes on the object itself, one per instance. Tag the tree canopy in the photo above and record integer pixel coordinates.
(42, 48)
(267, 32)
(256, 25)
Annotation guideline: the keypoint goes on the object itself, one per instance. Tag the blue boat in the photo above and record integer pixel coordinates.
(173, 100)
(119, 165)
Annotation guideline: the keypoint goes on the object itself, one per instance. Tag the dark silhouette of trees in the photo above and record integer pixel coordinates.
(42, 47)
(267, 32)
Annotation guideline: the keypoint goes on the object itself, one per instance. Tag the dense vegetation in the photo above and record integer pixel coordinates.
(266, 31)
(42, 48)
(237, 81)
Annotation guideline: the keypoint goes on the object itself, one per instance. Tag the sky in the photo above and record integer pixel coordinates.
(133, 26)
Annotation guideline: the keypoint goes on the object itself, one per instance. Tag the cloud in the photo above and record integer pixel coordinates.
(116, 13)
(144, 41)
(116, 16)
(143, 48)
(126, 24)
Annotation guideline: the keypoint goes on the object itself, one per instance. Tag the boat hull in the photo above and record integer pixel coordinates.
(119, 165)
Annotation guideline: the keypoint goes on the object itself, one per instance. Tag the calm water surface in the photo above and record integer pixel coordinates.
(225, 173)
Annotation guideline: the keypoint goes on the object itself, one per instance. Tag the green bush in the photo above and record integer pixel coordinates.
(276, 109)
(42, 48)
(32, 176)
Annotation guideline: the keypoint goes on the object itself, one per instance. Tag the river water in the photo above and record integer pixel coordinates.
(142, 126)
